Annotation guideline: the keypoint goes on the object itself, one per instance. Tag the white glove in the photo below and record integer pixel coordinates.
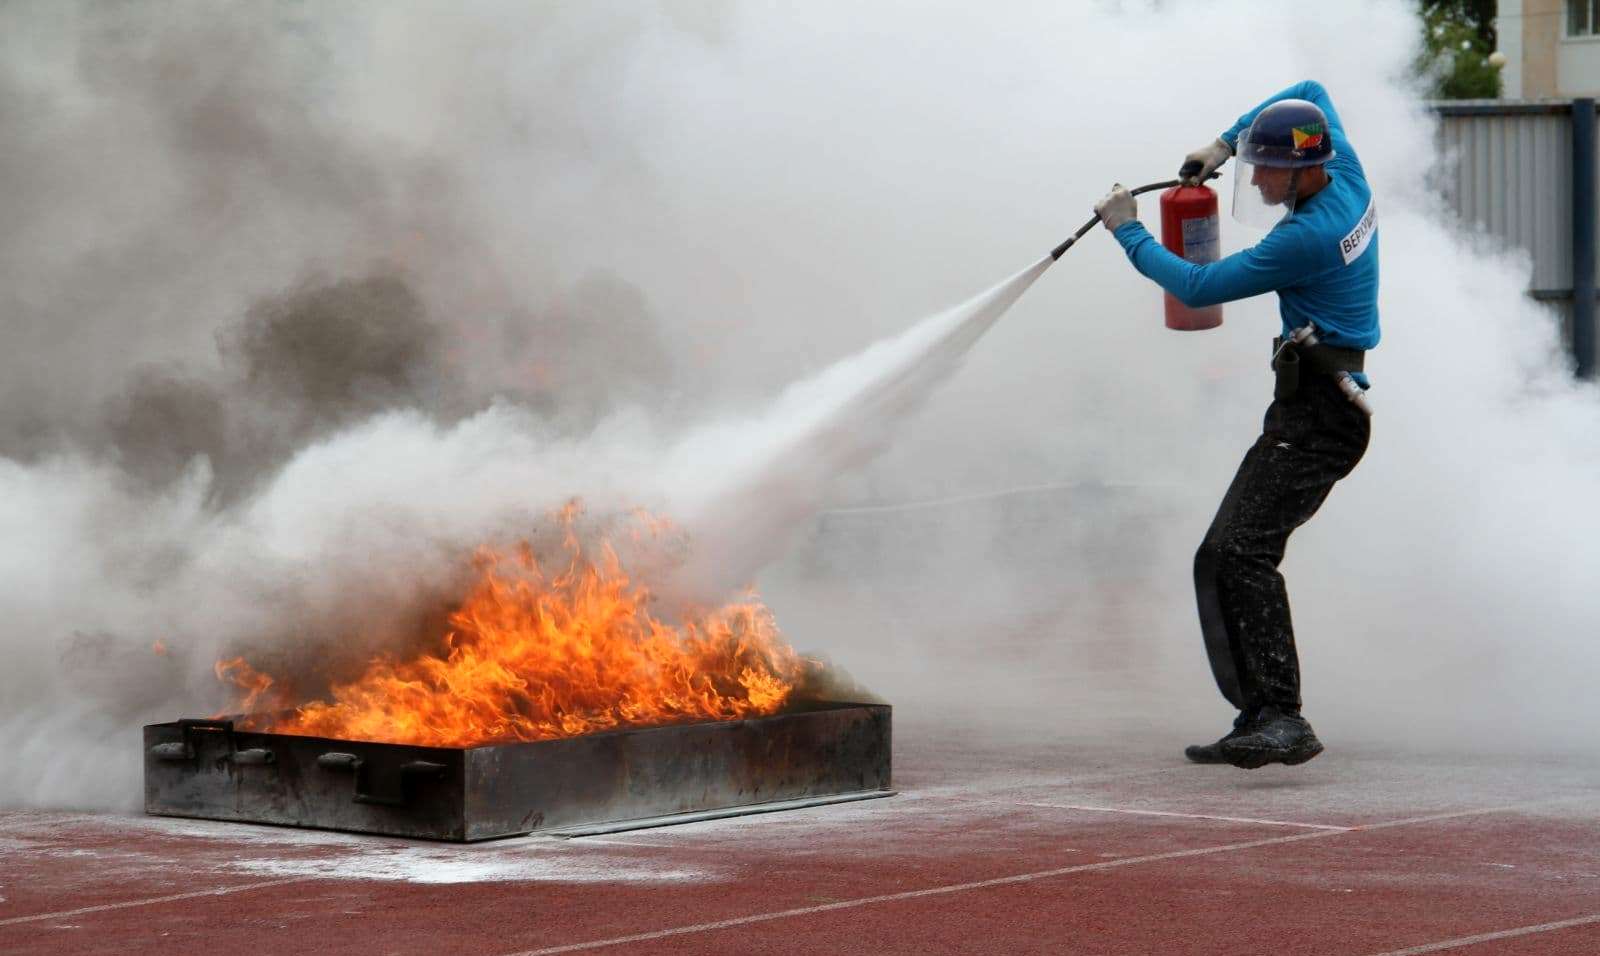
(1201, 163)
(1117, 208)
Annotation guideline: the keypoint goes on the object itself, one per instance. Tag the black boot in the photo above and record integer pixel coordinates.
(1212, 753)
(1275, 736)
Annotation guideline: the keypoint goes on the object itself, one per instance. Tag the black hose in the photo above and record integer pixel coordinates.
(1057, 252)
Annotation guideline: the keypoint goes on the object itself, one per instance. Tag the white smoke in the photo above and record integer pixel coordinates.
(783, 187)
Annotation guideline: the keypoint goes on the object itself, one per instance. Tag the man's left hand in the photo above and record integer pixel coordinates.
(1117, 208)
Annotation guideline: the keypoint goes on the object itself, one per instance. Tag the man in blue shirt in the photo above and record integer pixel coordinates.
(1321, 257)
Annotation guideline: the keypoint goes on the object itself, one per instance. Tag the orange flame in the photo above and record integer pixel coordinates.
(533, 656)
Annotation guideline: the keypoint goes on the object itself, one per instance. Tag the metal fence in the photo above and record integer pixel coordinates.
(1525, 172)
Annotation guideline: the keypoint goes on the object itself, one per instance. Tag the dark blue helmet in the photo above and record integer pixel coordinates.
(1290, 133)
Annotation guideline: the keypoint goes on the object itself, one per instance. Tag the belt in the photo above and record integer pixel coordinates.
(1289, 358)
(1328, 359)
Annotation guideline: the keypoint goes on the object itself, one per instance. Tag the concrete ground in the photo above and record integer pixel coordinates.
(996, 843)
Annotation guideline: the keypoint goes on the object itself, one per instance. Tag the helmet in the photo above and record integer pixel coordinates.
(1290, 133)
(1286, 136)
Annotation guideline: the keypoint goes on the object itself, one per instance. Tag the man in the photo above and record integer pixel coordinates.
(1321, 257)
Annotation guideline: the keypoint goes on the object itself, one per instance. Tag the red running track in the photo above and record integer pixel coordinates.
(989, 848)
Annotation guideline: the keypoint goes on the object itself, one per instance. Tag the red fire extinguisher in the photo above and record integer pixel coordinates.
(1190, 229)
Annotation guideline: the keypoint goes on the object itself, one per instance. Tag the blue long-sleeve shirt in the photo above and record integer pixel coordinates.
(1322, 260)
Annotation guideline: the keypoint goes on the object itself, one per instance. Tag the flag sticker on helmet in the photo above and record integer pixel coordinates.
(1307, 137)
(1356, 241)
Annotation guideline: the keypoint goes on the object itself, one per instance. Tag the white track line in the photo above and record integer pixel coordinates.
(1187, 816)
(176, 897)
(1007, 880)
(1490, 937)
(1458, 814)
(863, 901)
(976, 792)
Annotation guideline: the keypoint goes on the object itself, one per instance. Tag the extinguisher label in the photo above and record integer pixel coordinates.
(1202, 239)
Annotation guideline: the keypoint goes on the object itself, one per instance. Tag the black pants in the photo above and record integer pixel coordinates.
(1307, 443)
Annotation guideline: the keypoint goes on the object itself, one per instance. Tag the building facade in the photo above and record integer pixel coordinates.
(1552, 48)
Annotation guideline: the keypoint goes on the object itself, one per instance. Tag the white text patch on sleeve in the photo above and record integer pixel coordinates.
(1356, 242)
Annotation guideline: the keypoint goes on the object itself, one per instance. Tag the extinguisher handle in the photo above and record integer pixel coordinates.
(1083, 230)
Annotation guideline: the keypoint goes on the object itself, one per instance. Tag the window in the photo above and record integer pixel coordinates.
(1583, 18)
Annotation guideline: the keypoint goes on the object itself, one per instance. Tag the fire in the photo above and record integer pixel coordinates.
(533, 654)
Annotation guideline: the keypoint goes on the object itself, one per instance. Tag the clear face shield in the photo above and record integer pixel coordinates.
(1263, 195)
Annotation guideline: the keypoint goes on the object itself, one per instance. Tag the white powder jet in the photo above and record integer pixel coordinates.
(768, 475)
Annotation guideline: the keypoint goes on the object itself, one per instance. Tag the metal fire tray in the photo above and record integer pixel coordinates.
(820, 752)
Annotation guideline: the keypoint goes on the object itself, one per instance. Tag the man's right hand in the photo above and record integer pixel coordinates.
(1117, 207)
(1200, 164)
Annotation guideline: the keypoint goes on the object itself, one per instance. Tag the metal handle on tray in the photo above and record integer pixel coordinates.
(184, 749)
(350, 763)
